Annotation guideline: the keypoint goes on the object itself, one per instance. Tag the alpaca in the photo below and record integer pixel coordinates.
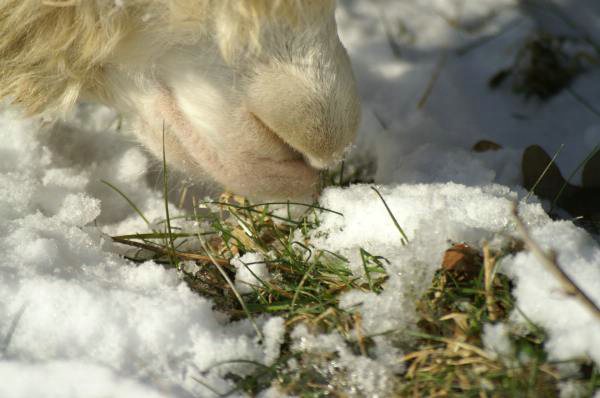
(257, 95)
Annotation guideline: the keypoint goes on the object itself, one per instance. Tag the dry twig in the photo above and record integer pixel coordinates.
(434, 78)
(165, 252)
(489, 262)
(551, 263)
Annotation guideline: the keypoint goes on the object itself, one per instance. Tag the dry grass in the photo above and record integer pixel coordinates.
(446, 356)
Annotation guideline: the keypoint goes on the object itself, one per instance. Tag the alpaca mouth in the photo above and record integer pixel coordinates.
(272, 170)
(310, 161)
(265, 129)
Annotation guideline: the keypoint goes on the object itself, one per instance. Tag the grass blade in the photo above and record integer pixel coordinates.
(133, 206)
(166, 199)
(568, 180)
(404, 239)
(537, 182)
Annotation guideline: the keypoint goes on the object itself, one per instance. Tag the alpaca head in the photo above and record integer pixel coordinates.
(258, 95)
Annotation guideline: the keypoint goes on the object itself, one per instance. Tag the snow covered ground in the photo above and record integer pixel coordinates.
(77, 320)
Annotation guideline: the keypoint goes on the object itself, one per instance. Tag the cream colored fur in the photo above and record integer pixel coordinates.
(255, 94)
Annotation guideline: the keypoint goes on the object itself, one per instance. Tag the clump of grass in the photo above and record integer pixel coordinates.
(445, 354)
(304, 287)
(305, 281)
(450, 358)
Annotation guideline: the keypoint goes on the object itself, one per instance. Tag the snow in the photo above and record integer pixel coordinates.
(77, 319)
(430, 215)
(366, 376)
(496, 340)
(62, 379)
(73, 309)
(251, 272)
(573, 331)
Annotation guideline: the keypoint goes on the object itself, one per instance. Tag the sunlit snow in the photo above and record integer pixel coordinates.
(78, 320)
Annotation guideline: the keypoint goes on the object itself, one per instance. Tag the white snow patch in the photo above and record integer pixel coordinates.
(273, 331)
(573, 331)
(363, 376)
(68, 379)
(496, 340)
(73, 311)
(251, 272)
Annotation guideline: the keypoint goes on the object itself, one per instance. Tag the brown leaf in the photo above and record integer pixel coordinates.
(486, 145)
(461, 258)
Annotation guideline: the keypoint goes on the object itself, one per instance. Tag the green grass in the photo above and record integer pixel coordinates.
(445, 354)
(305, 287)
(450, 361)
